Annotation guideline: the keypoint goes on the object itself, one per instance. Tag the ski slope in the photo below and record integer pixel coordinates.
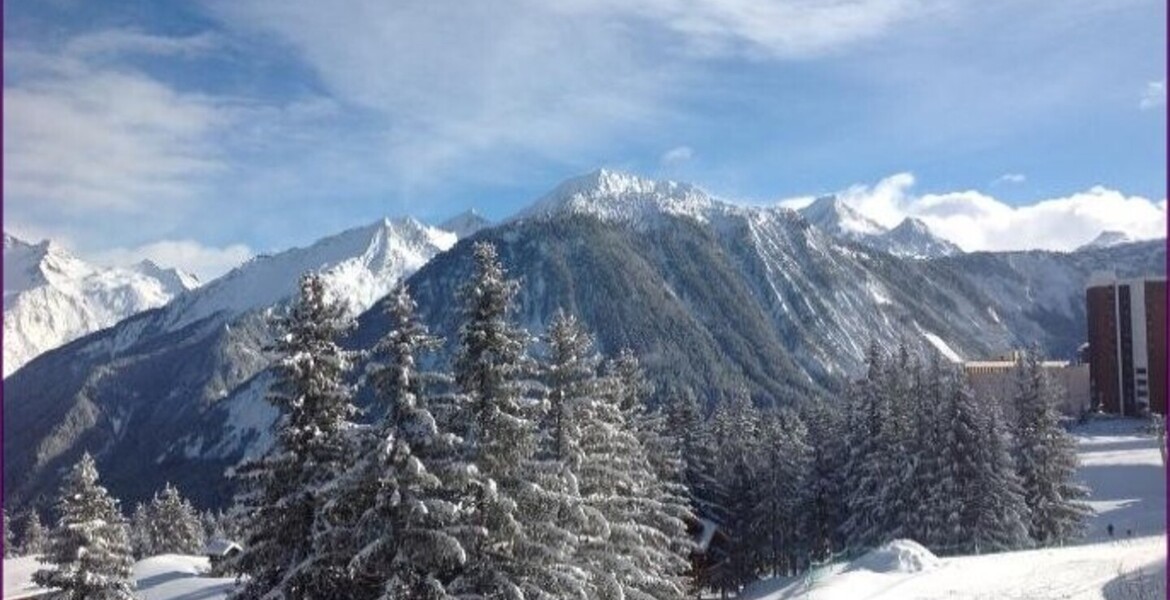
(1122, 466)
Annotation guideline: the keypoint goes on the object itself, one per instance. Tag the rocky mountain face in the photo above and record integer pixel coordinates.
(719, 298)
(52, 297)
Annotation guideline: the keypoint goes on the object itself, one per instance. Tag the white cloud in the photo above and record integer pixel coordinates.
(206, 262)
(471, 85)
(1012, 178)
(79, 137)
(676, 156)
(796, 202)
(977, 221)
(1154, 96)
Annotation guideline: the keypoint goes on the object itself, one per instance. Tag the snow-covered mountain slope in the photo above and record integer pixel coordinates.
(1109, 239)
(833, 216)
(190, 373)
(360, 265)
(913, 239)
(51, 297)
(465, 224)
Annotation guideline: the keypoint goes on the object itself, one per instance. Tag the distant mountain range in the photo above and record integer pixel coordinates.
(715, 297)
(911, 238)
(51, 297)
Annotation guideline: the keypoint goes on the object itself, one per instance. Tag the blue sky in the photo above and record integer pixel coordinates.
(199, 133)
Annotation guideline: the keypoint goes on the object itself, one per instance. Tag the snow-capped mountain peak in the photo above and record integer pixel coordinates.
(621, 197)
(359, 265)
(466, 223)
(52, 297)
(1108, 239)
(912, 238)
(833, 216)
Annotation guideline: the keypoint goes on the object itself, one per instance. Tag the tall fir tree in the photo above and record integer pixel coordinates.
(520, 550)
(784, 499)
(281, 492)
(869, 469)
(1046, 458)
(89, 548)
(735, 425)
(171, 525)
(671, 511)
(1000, 513)
(34, 537)
(395, 512)
(827, 437)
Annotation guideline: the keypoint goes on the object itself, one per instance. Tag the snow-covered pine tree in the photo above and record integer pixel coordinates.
(962, 453)
(139, 527)
(735, 424)
(34, 537)
(172, 525)
(827, 435)
(868, 486)
(1046, 458)
(520, 549)
(395, 511)
(784, 493)
(89, 547)
(902, 500)
(1001, 515)
(627, 382)
(631, 548)
(281, 492)
(937, 497)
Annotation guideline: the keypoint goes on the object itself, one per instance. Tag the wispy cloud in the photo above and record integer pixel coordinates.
(1010, 178)
(206, 262)
(977, 221)
(676, 156)
(1154, 96)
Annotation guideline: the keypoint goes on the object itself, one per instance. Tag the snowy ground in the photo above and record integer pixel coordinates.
(167, 577)
(1122, 466)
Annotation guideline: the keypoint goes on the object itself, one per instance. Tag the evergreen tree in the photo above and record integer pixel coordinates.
(89, 547)
(632, 548)
(1046, 458)
(172, 525)
(869, 469)
(1000, 513)
(826, 434)
(784, 496)
(34, 538)
(735, 425)
(281, 495)
(672, 509)
(519, 549)
(139, 527)
(395, 512)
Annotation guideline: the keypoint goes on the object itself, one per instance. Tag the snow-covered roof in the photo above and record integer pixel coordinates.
(220, 547)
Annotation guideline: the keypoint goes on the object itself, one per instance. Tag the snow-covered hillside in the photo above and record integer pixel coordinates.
(167, 577)
(617, 197)
(51, 297)
(1122, 466)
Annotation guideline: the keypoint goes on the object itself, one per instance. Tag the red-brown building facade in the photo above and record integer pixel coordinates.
(1127, 344)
